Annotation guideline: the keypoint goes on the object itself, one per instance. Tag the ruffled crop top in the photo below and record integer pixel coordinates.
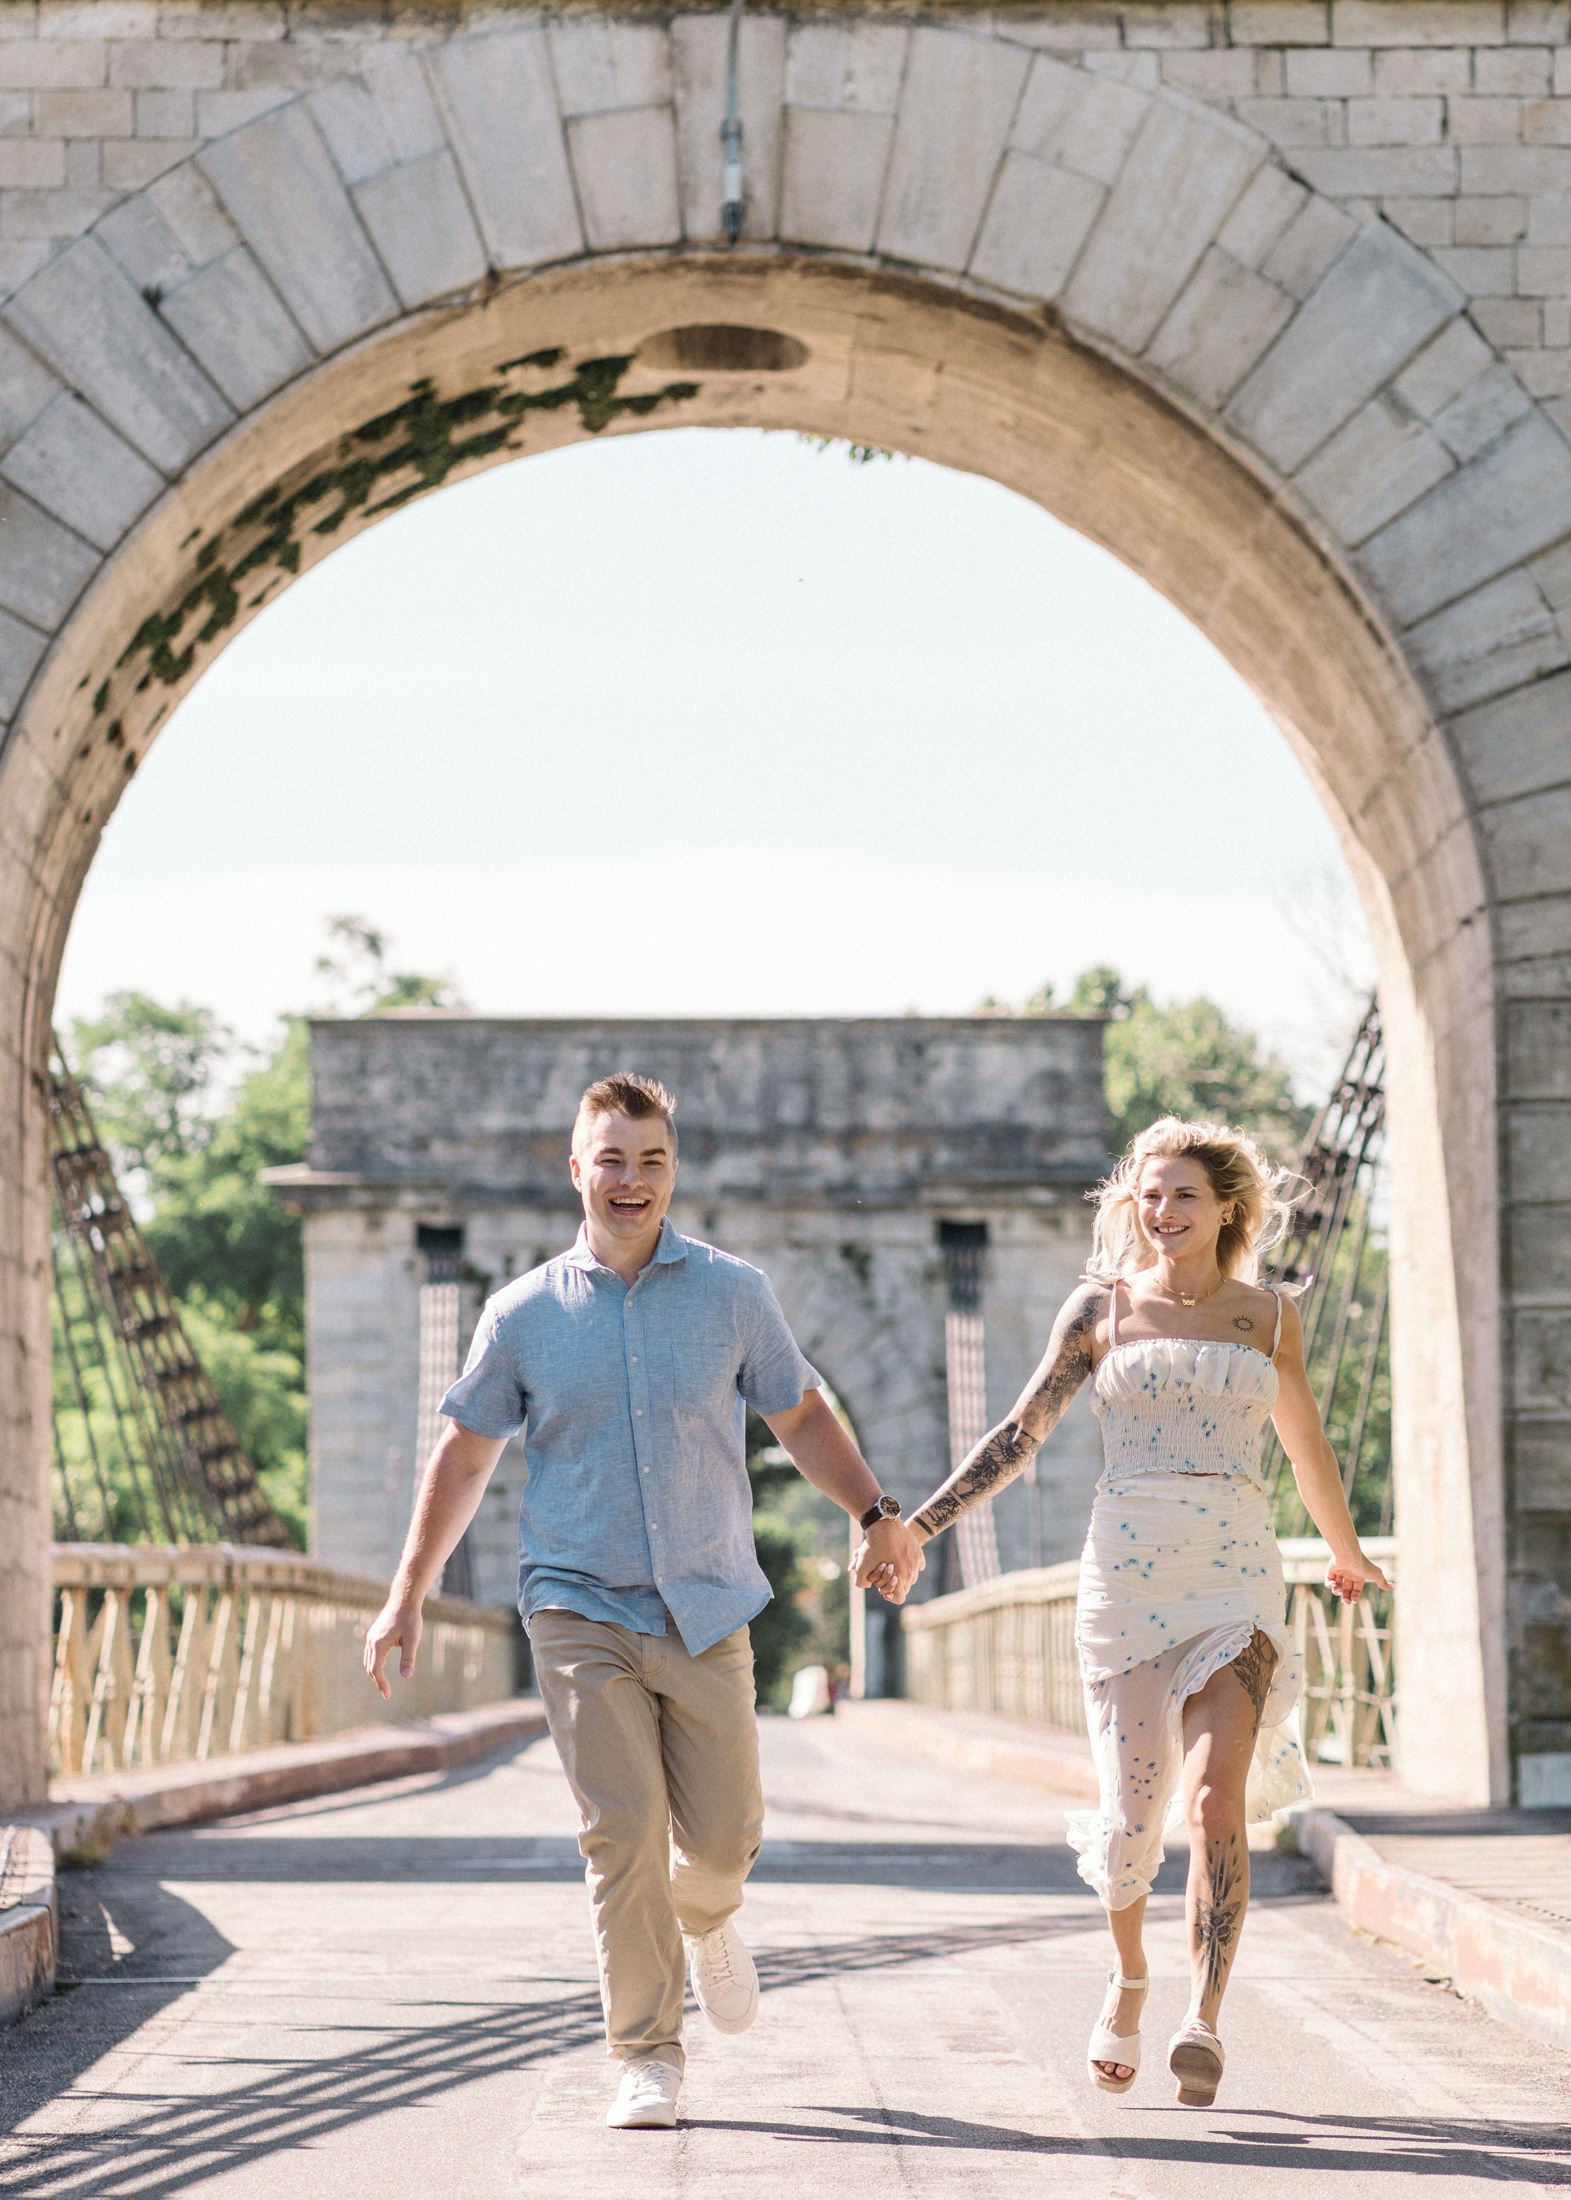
(1183, 1405)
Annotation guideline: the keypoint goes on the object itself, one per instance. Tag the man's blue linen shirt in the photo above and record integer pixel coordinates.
(631, 1397)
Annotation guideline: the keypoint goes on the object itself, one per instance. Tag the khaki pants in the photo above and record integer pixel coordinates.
(661, 1752)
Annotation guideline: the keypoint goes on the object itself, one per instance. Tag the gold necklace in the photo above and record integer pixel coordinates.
(1184, 1299)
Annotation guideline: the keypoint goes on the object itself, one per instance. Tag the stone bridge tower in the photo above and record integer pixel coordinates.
(835, 1155)
(1270, 297)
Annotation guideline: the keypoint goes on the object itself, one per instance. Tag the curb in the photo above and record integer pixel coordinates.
(85, 1817)
(1518, 1971)
(29, 1920)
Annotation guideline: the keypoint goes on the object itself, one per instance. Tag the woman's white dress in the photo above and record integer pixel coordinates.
(1180, 1567)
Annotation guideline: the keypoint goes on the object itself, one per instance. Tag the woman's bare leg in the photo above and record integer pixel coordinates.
(1220, 1725)
(1122, 2013)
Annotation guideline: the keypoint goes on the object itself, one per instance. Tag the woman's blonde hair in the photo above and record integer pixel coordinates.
(1260, 1191)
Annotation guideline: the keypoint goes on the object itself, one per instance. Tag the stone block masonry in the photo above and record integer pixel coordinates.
(1452, 122)
(1272, 300)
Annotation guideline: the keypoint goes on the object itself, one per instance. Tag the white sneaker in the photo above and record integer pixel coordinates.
(725, 1984)
(646, 2097)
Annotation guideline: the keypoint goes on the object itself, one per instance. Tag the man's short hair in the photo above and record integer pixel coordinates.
(625, 1094)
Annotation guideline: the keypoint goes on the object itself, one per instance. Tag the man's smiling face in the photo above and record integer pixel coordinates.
(624, 1168)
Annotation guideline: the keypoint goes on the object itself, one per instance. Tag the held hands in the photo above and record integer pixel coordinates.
(398, 1624)
(888, 1559)
(1348, 1578)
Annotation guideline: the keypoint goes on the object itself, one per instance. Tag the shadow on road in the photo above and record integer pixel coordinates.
(1406, 2146)
(158, 2147)
(308, 1858)
(153, 2147)
(50, 2051)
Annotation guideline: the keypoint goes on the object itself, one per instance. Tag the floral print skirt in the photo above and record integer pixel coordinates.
(1177, 1573)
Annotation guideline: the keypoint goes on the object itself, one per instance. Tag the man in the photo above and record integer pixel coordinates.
(627, 1362)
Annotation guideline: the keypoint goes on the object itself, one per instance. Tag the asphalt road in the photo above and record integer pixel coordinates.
(390, 1993)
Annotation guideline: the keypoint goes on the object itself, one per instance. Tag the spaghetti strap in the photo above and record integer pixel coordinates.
(1112, 1316)
(1276, 1339)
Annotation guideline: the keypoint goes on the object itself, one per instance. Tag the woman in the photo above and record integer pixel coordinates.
(1191, 1679)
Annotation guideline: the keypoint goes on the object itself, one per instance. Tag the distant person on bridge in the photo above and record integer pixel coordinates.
(628, 1362)
(1191, 1678)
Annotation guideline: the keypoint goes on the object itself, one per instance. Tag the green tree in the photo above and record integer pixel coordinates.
(149, 1072)
(1183, 1058)
(220, 1236)
(360, 975)
(802, 1541)
(264, 1395)
(1342, 1314)
(191, 1119)
(782, 1627)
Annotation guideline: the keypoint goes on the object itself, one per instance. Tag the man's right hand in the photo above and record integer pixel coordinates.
(888, 1560)
(398, 1624)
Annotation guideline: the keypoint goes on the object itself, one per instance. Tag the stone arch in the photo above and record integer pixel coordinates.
(1114, 297)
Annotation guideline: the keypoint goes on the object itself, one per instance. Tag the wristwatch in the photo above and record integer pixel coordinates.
(887, 1508)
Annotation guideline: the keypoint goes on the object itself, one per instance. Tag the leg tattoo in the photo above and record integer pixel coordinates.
(1254, 1665)
(1219, 1912)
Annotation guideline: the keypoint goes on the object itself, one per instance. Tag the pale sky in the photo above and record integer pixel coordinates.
(714, 722)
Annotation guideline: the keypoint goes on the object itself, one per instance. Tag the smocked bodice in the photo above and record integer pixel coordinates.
(1177, 1405)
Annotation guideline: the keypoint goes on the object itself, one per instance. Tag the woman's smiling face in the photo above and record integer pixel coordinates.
(1180, 1215)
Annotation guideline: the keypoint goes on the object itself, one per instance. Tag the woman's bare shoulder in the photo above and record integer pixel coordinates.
(1252, 1314)
(1084, 1313)
(1083, 1320)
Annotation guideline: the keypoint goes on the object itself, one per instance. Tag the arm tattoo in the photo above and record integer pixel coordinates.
(1008, 1450)
(1000, 1456)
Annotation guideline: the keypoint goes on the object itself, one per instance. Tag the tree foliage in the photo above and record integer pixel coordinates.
(149, 1072)
(801, 1538)
(191, 1118)
(782, 1627)
(362, 981)
(1185, 1058)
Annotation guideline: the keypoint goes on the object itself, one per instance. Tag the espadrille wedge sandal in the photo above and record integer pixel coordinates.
(1194, 2056)
(1107, 2047)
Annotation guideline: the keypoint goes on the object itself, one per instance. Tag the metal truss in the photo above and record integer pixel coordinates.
(131, 1366)
(1335, 1259)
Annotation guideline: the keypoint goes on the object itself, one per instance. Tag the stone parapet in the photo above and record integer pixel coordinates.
(856, 1111)
(29, 1920)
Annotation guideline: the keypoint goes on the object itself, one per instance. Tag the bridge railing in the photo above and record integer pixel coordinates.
(1007, 1647)
(175, 1653)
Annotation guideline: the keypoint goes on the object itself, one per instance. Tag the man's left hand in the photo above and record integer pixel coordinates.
(888, 1559)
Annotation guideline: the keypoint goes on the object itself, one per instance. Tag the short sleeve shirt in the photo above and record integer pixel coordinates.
(632, 1402)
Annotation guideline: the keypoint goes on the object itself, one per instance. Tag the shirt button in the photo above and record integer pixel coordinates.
(639, 1414)
(635, 1359)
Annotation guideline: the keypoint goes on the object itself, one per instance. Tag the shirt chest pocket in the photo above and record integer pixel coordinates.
(703, 1381)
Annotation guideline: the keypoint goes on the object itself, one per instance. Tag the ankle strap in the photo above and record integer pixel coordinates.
(1129, 1984)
